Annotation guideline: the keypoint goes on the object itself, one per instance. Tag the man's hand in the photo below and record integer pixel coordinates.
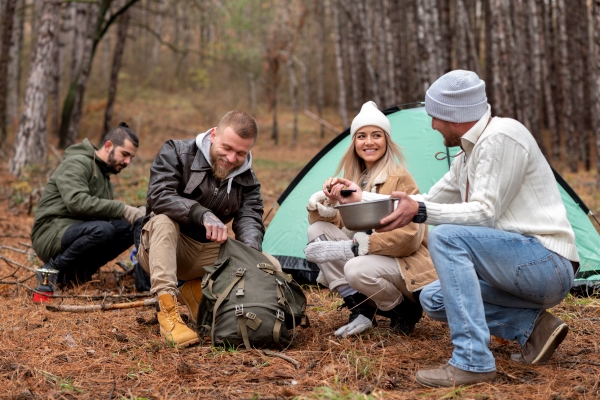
(402, 215)
(132, 214)
(216, 231)
(333, 190)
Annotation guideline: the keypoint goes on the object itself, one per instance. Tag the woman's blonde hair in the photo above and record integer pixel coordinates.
(354, 167)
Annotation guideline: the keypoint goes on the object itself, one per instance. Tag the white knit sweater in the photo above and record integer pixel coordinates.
(511, 187)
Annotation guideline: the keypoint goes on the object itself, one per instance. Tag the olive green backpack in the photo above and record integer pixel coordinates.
(246, 300)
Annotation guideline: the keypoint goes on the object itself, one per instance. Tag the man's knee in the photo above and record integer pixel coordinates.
(161, 224)
(432, 301)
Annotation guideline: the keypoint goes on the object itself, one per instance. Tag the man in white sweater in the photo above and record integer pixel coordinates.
(503, 247)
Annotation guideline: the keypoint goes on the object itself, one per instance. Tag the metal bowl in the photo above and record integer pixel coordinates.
(364, 216)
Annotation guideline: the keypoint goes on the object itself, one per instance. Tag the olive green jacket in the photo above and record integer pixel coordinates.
(79, 190)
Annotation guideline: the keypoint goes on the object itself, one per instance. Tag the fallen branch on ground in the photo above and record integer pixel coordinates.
(101, 307)
(282, 356)
(9, 261)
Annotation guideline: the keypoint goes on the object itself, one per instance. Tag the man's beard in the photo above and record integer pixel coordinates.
(113, 163)
(218, 172)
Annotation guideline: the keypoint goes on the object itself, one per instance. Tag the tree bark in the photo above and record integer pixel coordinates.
(390, 51)
(320, 39)
(549, 85)
(293, 99)
(565, 86)
(13, 89)
(73, 103)
(121, 39)
(498, 58)
(351, 43)
(339, 64)
(577, 32)
(595, 69)
(7, 34)
(30, 143)
(535, 74)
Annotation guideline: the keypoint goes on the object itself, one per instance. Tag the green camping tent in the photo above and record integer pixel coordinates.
(427, 159)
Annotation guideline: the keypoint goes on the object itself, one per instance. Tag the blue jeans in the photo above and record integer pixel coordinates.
(89, 245)
(490, 282)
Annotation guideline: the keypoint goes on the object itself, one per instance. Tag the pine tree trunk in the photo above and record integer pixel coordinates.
(30, 143)
(564, 69)
(549, 85)
(577, 31)
(339, 64)
(80, 16)
(536, 54)
(13, 89)
(54, 81)
(390, 51)
(72, 108)
(517, 63)
(369, 53)
(7, 34)
(446, 34)
(121, 39)
(79, 85)
(595, 69)
(294, 99)
(158, 25)
(500, 77)
(320, 41)
(352, 44)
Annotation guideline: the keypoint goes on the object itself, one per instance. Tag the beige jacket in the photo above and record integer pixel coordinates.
(408, 244)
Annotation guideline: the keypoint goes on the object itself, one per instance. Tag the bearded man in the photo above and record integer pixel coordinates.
(196, 187)
(78, 225)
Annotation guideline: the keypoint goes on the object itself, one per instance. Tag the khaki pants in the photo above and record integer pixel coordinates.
(167, 255)
(377, 277)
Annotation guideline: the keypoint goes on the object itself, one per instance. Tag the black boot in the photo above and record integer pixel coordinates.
(405, 315)
(357, 304)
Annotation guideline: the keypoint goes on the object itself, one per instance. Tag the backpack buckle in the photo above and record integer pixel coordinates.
(251, 315)
(280, 315)
(239, 310)
(240, 272)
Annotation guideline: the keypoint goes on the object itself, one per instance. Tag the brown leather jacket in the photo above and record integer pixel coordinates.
(181, 178)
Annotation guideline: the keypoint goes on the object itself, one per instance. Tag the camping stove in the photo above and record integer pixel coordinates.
(45, 290)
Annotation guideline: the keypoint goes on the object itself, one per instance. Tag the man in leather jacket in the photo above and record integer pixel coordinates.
(196, 187)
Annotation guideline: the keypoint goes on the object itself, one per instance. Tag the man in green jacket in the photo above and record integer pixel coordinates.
(78, 226)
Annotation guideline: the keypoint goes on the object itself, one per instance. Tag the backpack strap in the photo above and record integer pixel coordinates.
(239, 313)
(279, 319)
(239, 274)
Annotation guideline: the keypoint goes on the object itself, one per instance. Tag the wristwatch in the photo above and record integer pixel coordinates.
(421, 215)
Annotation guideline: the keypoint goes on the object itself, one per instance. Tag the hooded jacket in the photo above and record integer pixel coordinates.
(79, 190)
(182, 184)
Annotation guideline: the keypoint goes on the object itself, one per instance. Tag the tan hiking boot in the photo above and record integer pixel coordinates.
(548, 332)
(449, 376)
(172, 326)
(191, 294)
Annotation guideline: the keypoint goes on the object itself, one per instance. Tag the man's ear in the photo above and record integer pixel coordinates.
(213, 134)
(108, 146)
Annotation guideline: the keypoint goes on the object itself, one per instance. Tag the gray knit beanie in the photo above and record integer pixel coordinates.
(458, 96)
(370, 115)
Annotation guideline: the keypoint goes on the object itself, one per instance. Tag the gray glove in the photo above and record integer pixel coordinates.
(132, 214)
(320, 252)
(359, 325)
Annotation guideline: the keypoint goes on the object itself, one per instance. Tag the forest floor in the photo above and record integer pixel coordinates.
(119, 354)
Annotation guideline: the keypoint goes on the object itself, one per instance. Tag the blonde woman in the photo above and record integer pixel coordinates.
(372, 272)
